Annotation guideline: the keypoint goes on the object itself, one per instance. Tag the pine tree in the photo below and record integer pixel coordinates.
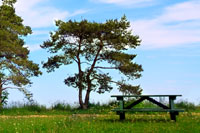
(15, 66)
(94, 47)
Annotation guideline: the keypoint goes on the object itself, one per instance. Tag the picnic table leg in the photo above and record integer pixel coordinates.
(122, 116)
(171, 102)
(173, 115)
(171, 106)
(121, 106)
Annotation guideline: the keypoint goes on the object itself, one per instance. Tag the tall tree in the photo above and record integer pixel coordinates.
(94, 47)
(15, 67)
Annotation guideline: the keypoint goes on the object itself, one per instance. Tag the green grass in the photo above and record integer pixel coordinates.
(186, 123)
(98, 118)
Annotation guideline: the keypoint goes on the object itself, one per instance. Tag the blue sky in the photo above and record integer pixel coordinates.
(169, 52)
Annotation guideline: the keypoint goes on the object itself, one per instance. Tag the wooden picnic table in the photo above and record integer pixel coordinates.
(131, 107)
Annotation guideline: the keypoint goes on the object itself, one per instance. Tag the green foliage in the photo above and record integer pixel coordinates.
(9, 2)
(15, 67)
(188, 106)
(91, 45)
(62, 107)
(35, 107)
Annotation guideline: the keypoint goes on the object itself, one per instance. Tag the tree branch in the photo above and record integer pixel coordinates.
(75, 60)
(95, 60)
(99, 67)
(10, 88)
(86, 63)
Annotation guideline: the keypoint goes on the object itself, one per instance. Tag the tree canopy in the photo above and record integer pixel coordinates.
(15, 66)
(95, 47)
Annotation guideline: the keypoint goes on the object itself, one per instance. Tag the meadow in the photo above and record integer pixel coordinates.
(62, 118)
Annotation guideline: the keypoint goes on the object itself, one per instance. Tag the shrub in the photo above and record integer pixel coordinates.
(35, 107)
(61, 106)
(188, 106)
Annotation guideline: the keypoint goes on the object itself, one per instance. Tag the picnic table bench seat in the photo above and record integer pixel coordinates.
(148, 110)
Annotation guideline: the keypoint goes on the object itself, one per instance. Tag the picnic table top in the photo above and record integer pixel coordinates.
(145, 95)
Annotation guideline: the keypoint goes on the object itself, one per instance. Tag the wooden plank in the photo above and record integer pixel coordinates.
(157, 103)
(148, 110)
(145, 95)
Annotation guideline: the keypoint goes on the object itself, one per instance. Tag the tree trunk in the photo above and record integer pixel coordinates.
(80, 98)
(85, 106)
(80, 76)
(87, 96)
(1, 90)
(1, 104)
(80, 85)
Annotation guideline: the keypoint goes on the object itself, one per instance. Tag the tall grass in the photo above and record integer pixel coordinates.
(188, 106)
(23, 109)
(62, 106)
(94, 108)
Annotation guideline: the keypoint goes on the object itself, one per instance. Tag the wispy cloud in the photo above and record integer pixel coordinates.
(33, 47)
(38, 16)
(179, 24)
(80, 11)
(129, 3)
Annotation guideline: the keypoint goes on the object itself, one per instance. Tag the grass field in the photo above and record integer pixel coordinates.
(62, 118)
(86, 123)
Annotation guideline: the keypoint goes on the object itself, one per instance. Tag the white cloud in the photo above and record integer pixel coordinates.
(178, 25)
(34, 47)
(183, 11)
(81, 11)
(38, 16)
(126, 2)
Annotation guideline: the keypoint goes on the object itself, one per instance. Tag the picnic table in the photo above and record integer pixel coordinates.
(131, 107)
